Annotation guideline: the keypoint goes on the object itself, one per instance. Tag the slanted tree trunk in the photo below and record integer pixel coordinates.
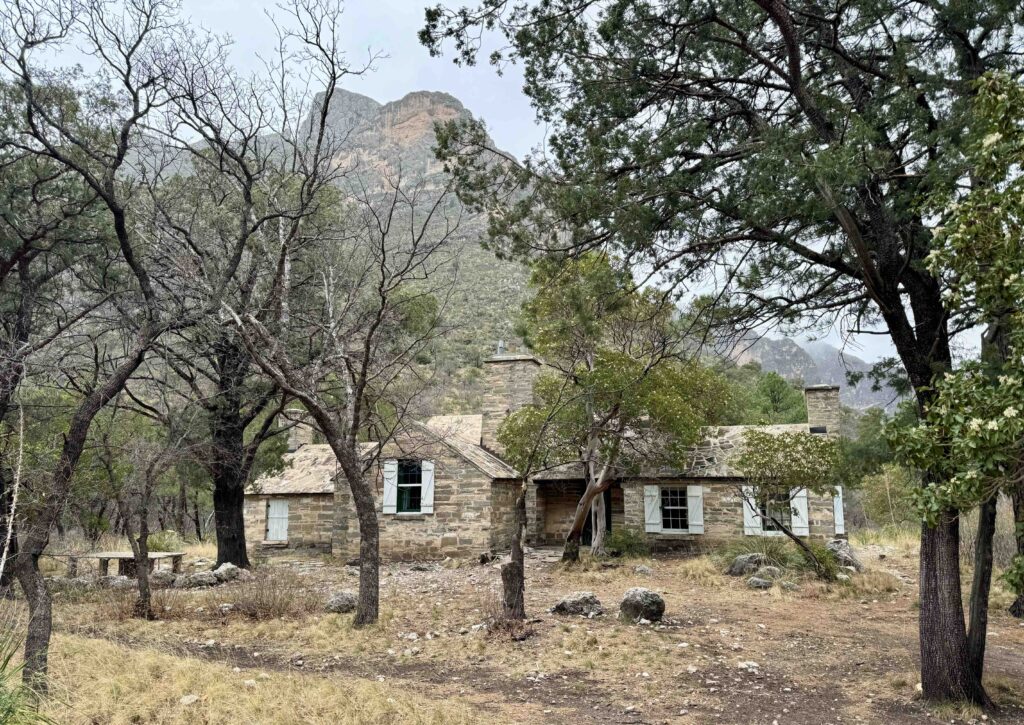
(598, 526)
(981, 585)
(513, 573)
(40, 622)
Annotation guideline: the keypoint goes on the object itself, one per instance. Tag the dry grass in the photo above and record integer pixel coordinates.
(903, 538)
(100, 682)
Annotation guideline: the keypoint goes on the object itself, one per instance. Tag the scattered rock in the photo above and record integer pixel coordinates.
(789, 586)
(420, 567)
(162, 578)
(643, 569)
(226, 572)
(639, 603)
(487, 557)
(64, 584)
(117, 582)
(196, 581)
(768, 572)
(755, 582)
(746, 564)
(249, 683)
(189, 700)
(843, 552)
(585, 603)
(843, 577)
(341, 602)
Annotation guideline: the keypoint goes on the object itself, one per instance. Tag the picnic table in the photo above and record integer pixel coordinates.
(125, 561)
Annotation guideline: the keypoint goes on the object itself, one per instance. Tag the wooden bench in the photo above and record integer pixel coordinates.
(126, 561)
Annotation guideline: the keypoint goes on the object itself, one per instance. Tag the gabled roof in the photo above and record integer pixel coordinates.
(471, 451)
(309, 469)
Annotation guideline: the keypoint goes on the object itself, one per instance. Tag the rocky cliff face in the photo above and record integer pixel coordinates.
(816, 363)
(379, 138)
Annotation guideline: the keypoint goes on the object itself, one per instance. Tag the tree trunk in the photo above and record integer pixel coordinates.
(1017, 608)
(197, 519)
(981, 585)
(7, 576)
(368, 606)
(228, 504)
(513, 574)
(571, 553)
(40, 623)
(181, 507)
(946, 672)
(598, 521)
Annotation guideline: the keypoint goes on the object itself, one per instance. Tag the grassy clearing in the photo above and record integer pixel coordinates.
(96, 681)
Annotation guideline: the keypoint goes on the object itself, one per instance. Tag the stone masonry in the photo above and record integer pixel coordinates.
(309, 521)
(508, 385)
(473, 513)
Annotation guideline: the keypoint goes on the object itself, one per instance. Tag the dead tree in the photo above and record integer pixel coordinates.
(347, 349)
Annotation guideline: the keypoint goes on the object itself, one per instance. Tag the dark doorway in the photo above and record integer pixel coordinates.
(588, 525)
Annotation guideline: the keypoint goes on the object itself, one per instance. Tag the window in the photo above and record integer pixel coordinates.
(410, 487)
(674, 511)
(778, 507)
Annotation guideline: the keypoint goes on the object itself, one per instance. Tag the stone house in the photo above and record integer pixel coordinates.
(442, 488)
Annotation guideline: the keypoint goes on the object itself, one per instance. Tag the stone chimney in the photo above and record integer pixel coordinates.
(508, 386)
(301, 433)
(823, 410)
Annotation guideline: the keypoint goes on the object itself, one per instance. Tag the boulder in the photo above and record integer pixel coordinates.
(197, 580)
(768, 572)
(643, 570)
(843, 553)
(585, 603)
(639, 603)
(226, 572)
(117, 582)
(162, 578)
(487, 557)
(341, 602)
(745, 564)
(755, 582)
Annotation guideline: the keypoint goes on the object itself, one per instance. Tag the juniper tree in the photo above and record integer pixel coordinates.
(782, 153)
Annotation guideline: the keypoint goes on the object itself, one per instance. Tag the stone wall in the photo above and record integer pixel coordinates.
(309, 521)
(508, 386)
(471, 514)
(723, 515)
(823, 407)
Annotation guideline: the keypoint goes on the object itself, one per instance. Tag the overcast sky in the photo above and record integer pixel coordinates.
(390, 27)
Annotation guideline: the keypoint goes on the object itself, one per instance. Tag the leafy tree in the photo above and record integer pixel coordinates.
(787, 149)
(888, 496)
(619, 392)
(779, 466)
(973, 428)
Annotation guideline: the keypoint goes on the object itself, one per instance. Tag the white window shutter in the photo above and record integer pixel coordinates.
(837, 511)
(652, 509)
(751, 518)
(427, 490)
(390, 486)
(801, 523)
(695, 509)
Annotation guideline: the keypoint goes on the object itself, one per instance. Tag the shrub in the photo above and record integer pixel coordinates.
(269, 594)
(827, 567)
(627, 542)
(776, 550)
(166, 540)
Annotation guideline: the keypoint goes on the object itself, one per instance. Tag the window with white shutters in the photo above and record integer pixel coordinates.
(674, 509)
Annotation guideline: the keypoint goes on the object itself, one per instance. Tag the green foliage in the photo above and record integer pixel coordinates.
(614, 374)
(776, 463)
(757, 397)
(627, 542)
(776, 551)
(166, 540)
(17, 702)
(823, 563)
(889, 496)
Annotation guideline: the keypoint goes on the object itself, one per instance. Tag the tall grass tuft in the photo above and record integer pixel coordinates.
(17, 702)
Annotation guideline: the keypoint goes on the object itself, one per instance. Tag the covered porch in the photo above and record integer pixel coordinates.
(551, 505)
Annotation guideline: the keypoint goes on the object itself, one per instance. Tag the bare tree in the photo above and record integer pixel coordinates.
(347, 349)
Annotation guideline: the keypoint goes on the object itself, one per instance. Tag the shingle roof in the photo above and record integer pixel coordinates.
(309, 469)
(487, 462)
